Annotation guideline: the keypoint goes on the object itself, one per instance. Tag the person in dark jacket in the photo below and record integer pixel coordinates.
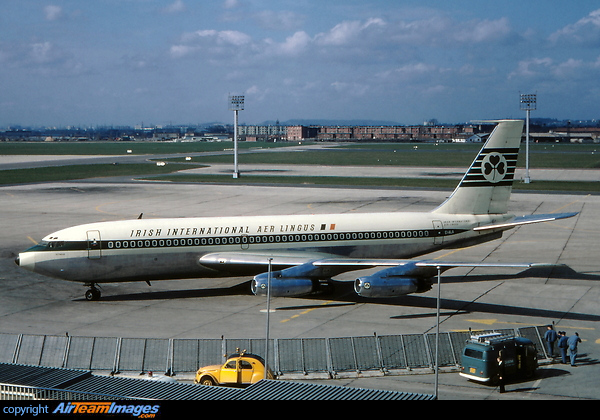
(501, 372)
(573, 341)
(563, 346)
(550, 338)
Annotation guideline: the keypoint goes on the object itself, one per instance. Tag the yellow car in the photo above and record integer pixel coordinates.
(240, 369)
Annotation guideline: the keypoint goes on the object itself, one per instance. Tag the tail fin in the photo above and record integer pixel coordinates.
(486, 187)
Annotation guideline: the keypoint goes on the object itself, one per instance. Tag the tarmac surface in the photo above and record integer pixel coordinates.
(567, 297)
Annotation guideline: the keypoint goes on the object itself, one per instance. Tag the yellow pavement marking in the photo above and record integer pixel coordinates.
(305, 312)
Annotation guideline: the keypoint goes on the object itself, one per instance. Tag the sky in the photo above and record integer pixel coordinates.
(152, 62)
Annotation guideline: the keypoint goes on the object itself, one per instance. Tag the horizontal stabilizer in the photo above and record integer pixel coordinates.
(526, 220)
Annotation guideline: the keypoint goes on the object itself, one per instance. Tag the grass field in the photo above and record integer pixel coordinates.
(563, 156)
(93, 148)
(376, 154)
(564, 186)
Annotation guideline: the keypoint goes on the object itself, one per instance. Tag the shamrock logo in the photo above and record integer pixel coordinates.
(494, 167)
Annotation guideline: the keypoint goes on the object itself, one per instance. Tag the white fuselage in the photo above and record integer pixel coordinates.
(155, 249)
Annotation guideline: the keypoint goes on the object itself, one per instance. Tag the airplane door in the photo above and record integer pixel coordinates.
(438, 237)
(93, 244)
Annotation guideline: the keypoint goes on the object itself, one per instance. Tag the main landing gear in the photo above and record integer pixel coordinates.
(92, 293)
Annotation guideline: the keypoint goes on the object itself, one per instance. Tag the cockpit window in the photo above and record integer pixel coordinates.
(47, 245)
(42, 246)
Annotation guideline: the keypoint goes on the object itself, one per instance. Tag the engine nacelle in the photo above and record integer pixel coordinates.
(380, 287)
(396, 281)
(282, 287)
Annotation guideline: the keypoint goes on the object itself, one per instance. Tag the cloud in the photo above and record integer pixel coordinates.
(351, 88)
(176, 7)
(348, 32)
(231, 4)
(292, 46)
(279, 21)
(212, 42)
(545, 69)
(53, 12)
(411, 72)
(485, 31)
(442, 31)
(585, 31)
(532, 67)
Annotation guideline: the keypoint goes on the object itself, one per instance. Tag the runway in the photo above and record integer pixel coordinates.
(477, 299)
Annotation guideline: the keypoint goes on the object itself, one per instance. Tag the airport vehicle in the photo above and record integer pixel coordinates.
(479, 358)
(240, 369)
(299, 254)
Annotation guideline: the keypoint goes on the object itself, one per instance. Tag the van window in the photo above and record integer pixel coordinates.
(475, 354)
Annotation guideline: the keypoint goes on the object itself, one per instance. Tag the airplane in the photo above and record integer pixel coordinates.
(299, 254)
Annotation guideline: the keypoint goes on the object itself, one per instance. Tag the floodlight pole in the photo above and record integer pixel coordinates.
(268, 318)
(236, 104)
(437, 330)
(528, 103)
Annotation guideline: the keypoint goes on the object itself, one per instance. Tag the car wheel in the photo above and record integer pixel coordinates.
(207, 380)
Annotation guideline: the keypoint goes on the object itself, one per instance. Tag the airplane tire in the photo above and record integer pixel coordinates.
(92, 294)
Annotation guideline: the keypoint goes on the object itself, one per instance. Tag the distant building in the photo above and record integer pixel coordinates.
(378, 133)
(264, 132)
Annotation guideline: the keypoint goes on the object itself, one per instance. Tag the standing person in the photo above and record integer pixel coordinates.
(550, 338)
(573, 341)
(563, 346)
(501, 371)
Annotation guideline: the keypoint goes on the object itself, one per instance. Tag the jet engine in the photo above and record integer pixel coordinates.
(293, 281)
(394, 281)
(281, 287)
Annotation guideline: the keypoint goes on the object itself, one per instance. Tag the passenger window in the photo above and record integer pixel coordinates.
(245, 365)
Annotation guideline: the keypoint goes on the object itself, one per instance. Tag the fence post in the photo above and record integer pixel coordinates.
(329, 361)
(117, 355)
(66, 353)
(170, 362)
(379, 352)
(404, 352)
(17, 348)
(428, 351)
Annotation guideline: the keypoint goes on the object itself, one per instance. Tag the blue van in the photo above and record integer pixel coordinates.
(479, 358)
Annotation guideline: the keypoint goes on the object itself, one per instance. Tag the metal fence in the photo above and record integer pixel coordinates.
(331, 356)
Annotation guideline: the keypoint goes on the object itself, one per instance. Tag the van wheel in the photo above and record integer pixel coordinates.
(207, 380)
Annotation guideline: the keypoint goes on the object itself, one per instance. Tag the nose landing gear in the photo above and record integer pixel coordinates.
(92, 293)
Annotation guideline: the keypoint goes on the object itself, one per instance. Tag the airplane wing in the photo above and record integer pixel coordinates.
(526, 220)
(296, 274)
(328, 265)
